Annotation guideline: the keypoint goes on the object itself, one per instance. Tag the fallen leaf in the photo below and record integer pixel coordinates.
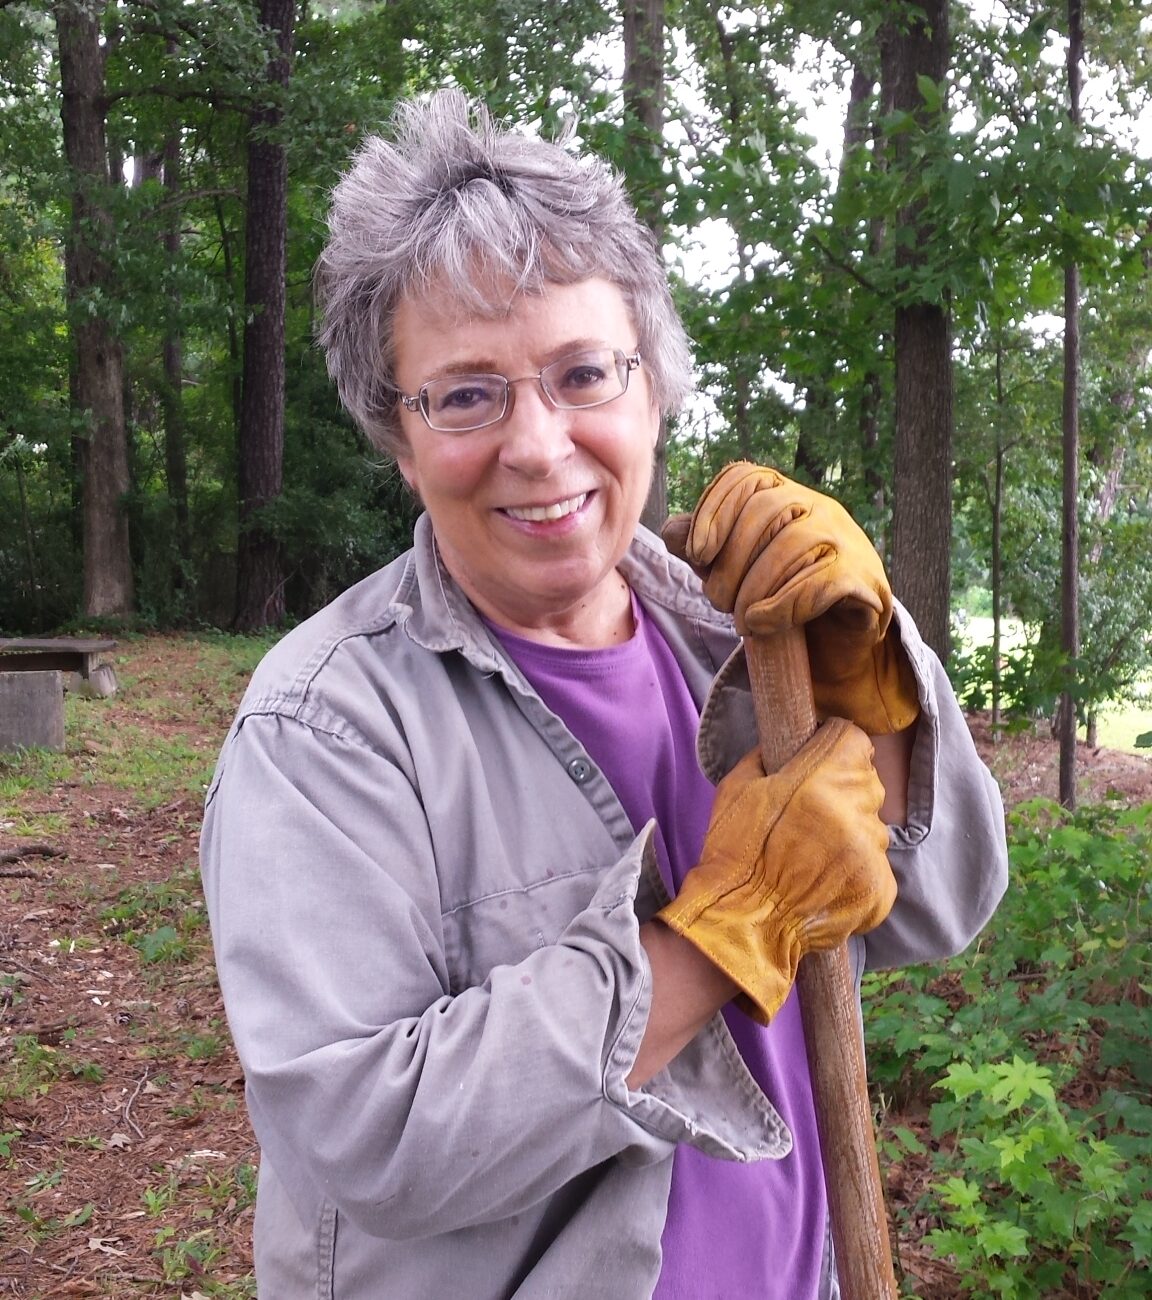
(102, 1244)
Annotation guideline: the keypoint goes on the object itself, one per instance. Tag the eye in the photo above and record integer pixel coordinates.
(579, 374)
(463, 393)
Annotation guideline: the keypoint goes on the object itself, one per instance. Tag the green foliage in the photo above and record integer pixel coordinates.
(176, 903)
(1030, 679)
(806, 259)
(1034, 1052)
(164, 944)
(31, 1067)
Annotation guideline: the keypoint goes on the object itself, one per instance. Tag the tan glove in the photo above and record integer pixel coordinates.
(781, 555)
(791, 862)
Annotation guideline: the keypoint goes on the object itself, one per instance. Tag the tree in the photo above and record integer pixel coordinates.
(260, 584)
(1070, 423)
(644, 126)
(97, 368)
(172, 358)
(914, 60)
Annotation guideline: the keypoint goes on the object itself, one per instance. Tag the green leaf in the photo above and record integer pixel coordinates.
(159, 944)
(931, 92)
(79, 1217)
(1138, 1232)
(910, 1141)
(998, 1238)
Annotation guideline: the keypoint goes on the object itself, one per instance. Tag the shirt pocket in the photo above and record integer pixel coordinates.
(507, 925)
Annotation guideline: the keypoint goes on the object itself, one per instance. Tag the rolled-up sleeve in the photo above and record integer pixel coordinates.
(951, 855)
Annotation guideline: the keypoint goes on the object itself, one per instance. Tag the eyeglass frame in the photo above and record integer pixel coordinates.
(626, 362)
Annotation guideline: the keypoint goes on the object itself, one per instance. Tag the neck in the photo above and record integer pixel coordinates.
(598, 621)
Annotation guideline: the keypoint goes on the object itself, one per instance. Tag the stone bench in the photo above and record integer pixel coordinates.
(77, 657)
(31, 711)
(34, 673)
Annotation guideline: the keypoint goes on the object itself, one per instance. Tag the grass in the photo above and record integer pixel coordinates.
(28, 772)
(1119, 729)
(143, 739)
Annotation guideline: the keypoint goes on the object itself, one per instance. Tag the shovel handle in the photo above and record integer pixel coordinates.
(786, 718)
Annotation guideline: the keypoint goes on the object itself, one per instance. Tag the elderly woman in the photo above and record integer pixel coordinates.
(510, 978)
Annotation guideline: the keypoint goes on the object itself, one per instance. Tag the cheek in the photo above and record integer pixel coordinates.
(408, 472)
(654, 426)
(449, 472)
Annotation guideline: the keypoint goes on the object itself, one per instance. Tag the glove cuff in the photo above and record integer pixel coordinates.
(765, 978)
(880, 697)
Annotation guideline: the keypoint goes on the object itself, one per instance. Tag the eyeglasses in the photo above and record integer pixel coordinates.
(461, 403)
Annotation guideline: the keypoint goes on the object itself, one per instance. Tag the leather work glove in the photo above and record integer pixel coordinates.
(780, 555)
(791, 862)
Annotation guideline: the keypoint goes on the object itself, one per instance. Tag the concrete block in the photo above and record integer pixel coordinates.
(31, 711)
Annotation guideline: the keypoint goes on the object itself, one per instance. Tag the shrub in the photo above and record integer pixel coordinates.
(1034, 1052)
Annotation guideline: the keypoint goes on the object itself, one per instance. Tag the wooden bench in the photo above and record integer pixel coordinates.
(64, 654)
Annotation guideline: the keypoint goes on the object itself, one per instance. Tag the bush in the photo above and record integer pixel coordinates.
(1034, 1053)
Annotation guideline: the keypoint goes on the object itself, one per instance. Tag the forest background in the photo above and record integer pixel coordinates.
(940, 310)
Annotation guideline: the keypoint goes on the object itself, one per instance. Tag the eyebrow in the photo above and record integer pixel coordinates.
(488, 366)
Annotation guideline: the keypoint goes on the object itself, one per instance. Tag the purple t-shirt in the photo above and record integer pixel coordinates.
(732, 1229)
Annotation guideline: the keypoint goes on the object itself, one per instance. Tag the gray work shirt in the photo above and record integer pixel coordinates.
(425, 902)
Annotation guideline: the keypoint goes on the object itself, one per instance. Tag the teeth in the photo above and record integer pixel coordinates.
(542, 514)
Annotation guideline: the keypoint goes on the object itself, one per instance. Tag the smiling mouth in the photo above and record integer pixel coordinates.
(545, 514)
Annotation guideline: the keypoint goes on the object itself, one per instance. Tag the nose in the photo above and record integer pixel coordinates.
(536, 433)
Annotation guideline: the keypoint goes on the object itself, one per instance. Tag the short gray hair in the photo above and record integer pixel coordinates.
(454, 197)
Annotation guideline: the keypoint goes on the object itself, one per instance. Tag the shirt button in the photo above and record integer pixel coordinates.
(579, 770)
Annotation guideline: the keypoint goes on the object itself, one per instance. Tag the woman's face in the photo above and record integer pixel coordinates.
(487, 491)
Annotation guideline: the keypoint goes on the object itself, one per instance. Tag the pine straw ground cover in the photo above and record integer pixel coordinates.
(127, 1167)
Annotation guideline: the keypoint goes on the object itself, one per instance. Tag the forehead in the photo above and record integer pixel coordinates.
(436, 325)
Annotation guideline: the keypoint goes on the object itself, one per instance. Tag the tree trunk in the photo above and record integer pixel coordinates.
(175, 453)
(922, 459)
(235, 351)
(97, 368)
(260, 581)
(745, 366)
(1070, 533)
(997, 559)
(644, 122)
(922, 478)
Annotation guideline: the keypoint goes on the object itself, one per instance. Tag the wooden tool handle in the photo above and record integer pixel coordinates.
(785, 719)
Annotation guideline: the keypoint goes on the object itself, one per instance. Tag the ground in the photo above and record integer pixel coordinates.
(126, 1158)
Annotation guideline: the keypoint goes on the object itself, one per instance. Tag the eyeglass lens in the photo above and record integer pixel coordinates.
(458, 403)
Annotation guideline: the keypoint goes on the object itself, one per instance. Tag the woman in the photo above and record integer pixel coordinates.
(510, 979)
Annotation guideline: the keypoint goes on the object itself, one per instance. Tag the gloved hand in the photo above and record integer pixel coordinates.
(781, 555)
(791, 862)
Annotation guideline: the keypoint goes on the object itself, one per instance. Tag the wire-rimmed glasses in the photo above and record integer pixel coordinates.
(461, 403)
